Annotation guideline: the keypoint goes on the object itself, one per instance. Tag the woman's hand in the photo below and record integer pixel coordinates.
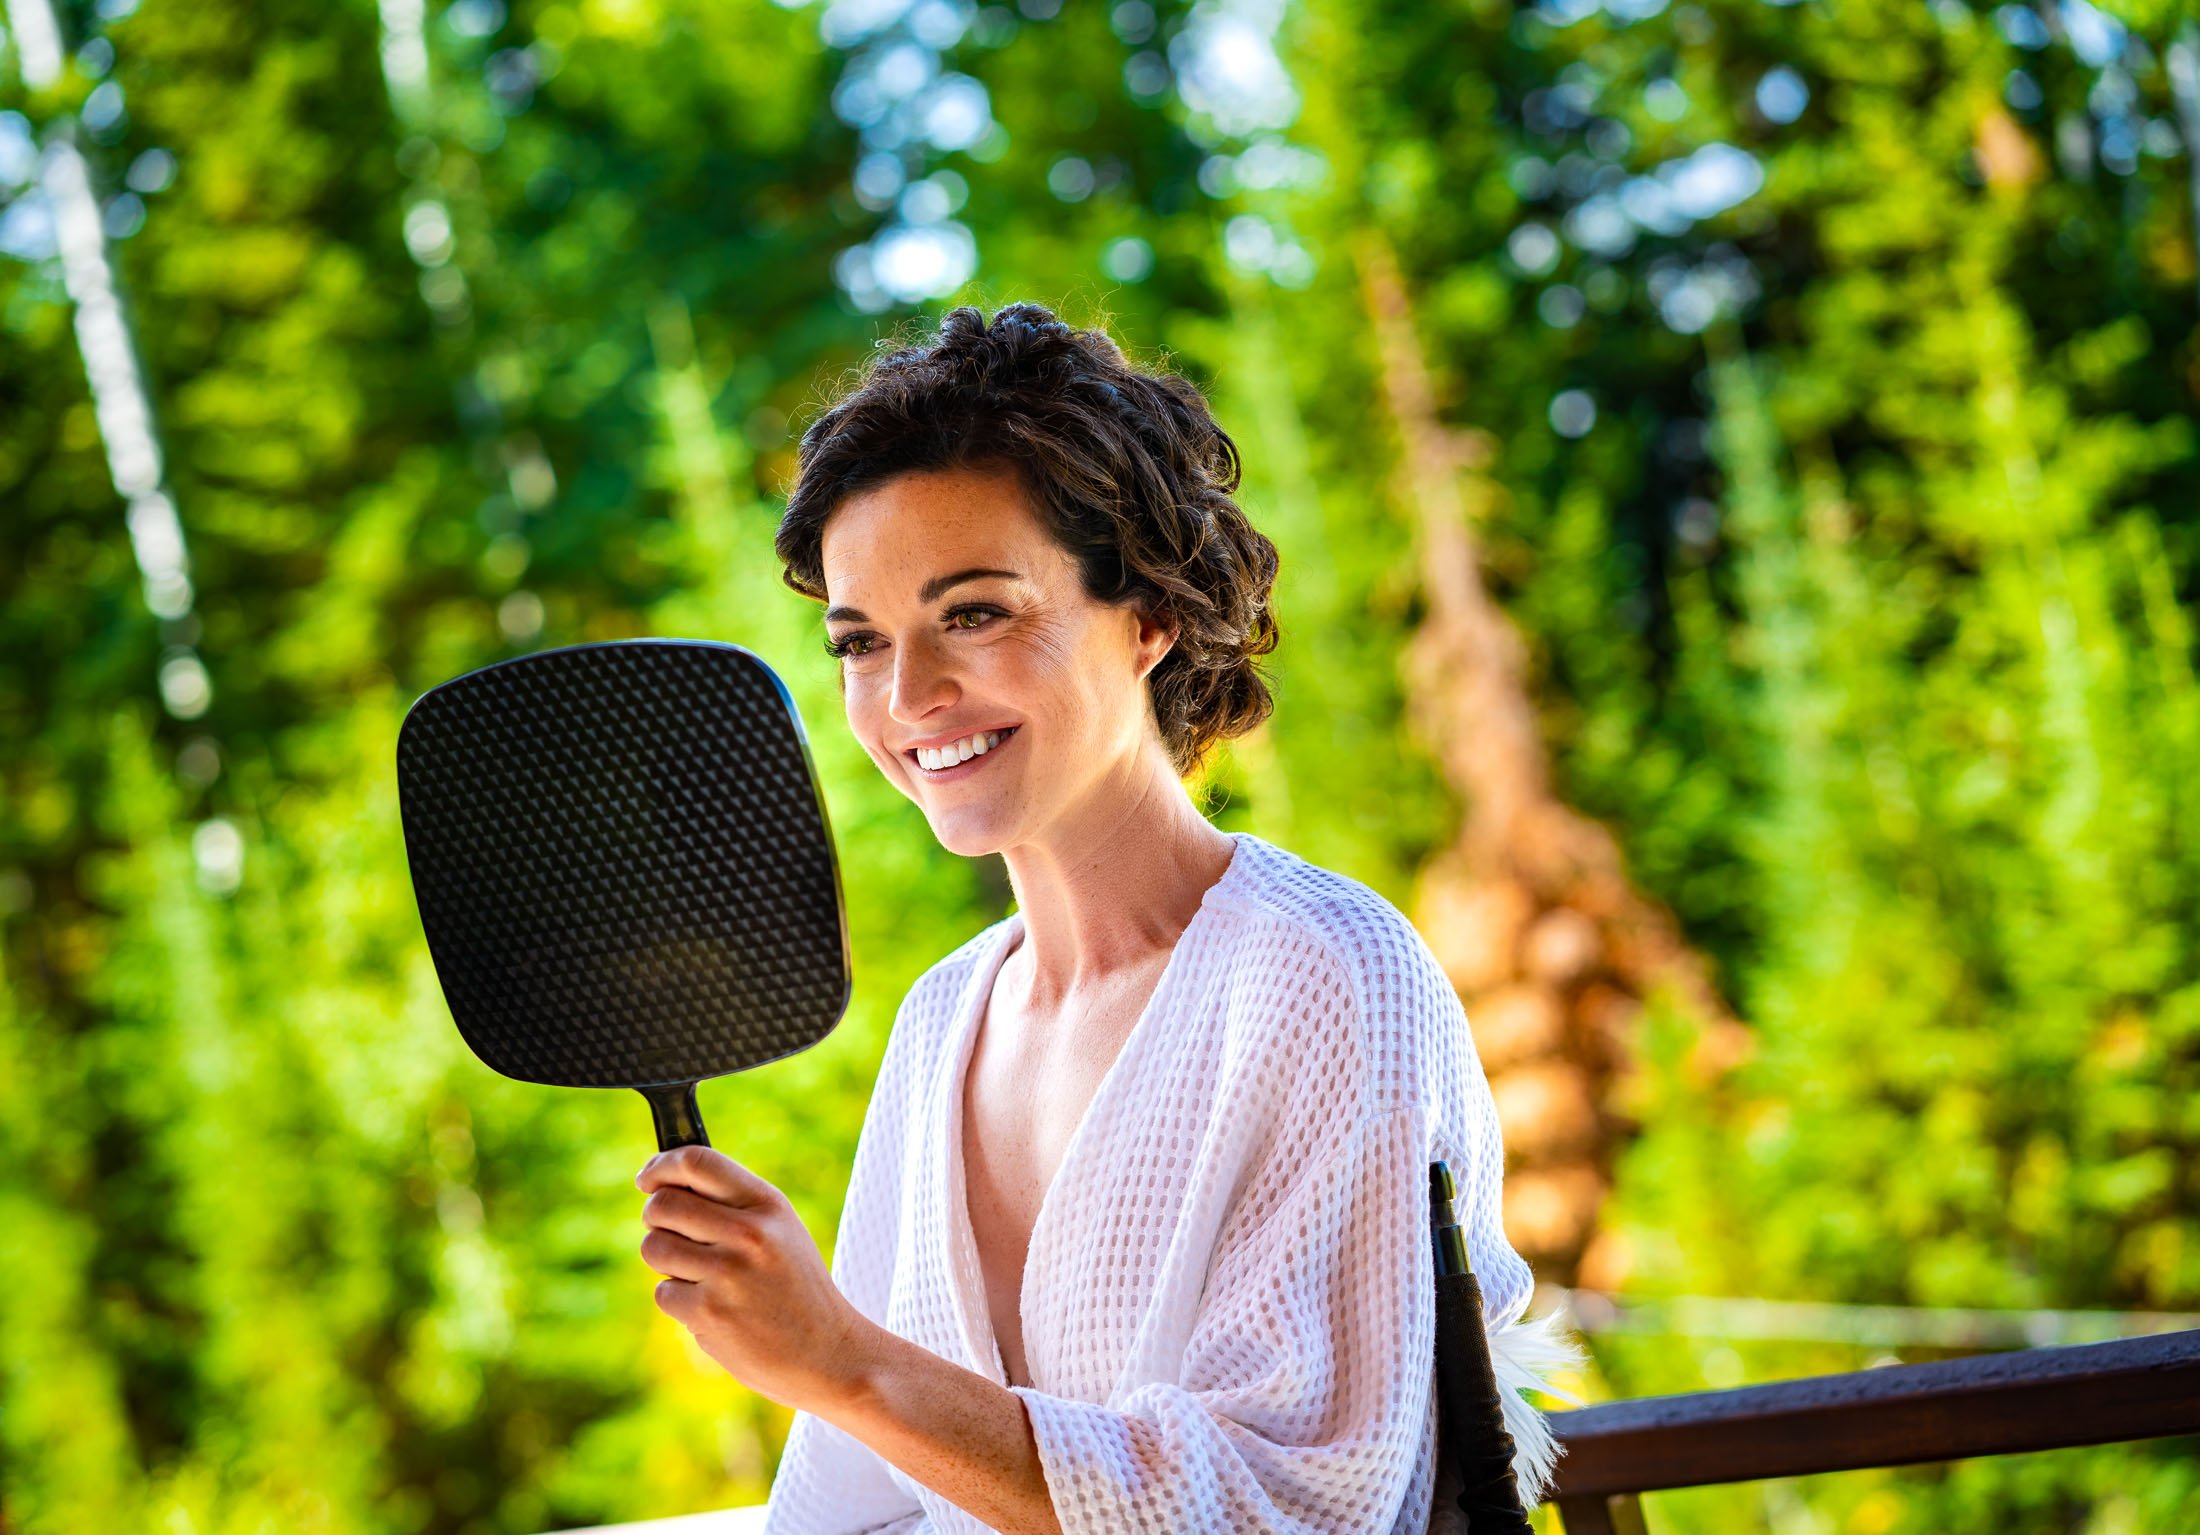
(745, 1277)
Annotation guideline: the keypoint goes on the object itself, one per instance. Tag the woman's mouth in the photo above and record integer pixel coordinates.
(959, 759)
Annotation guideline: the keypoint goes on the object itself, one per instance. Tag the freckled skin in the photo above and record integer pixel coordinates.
(1070, 670)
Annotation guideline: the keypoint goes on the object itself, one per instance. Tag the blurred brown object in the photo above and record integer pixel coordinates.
(2006, 155)
(1530, 910)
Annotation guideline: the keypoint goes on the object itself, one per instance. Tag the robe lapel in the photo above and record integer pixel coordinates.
(965, 1280)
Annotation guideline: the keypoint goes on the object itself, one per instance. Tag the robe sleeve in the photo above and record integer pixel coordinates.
(1307, 1376)
(829, 1482)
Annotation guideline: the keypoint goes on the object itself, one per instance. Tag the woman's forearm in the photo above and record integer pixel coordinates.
(962, 1435)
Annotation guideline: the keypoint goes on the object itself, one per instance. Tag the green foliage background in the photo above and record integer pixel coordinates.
(1863, 612)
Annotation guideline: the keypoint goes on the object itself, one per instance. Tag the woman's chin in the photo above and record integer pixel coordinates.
(970, 831)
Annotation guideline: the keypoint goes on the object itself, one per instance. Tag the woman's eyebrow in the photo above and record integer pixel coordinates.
(939, 584)
(929, 590)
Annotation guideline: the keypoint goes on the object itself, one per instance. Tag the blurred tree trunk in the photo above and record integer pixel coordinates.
(1552, 948)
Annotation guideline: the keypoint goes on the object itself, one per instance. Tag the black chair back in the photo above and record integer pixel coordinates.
(1470, 1418)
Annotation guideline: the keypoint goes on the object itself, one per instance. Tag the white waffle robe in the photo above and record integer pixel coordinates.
(1228, 1304)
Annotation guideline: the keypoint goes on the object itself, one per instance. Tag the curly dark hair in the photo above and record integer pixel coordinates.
(1127, 470)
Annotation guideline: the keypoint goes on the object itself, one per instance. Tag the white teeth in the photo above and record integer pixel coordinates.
(935, 758)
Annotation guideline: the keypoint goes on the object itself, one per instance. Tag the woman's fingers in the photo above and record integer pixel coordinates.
(678, 1298)
(743, 1275)
(675, 1256)
(709, 1172)
(673, 1208)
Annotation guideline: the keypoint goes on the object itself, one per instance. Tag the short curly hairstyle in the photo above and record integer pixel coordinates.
(1127, 470)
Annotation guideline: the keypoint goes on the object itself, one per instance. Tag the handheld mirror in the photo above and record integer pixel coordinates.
(624, 869)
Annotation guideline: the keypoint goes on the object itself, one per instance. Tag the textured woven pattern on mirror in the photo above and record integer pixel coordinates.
(623, 865)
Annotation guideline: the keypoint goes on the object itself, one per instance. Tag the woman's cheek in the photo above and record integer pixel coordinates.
(867, 720)
(1042, 654)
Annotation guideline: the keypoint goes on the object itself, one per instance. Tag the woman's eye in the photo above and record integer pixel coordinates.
(862, 642)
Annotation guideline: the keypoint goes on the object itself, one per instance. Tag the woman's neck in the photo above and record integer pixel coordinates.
(1116, 888)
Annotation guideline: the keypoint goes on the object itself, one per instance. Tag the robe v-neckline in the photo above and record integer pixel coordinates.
(973, 1302)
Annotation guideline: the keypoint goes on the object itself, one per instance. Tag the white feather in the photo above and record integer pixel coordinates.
(1525, 1352)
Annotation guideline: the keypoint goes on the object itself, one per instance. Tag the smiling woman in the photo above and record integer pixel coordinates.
(1126, 472)
(1136, 1236)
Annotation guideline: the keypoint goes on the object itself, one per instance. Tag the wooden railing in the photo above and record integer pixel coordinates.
(1991, 1404)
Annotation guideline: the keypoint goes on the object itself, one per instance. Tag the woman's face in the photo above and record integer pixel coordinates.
(958, 616)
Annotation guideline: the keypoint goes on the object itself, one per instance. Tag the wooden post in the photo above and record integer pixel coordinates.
(1618, 1513)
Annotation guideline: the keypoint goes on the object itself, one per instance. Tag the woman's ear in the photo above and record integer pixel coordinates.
(1155, 639)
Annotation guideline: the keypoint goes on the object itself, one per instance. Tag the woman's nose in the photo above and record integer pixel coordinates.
(921, 683)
